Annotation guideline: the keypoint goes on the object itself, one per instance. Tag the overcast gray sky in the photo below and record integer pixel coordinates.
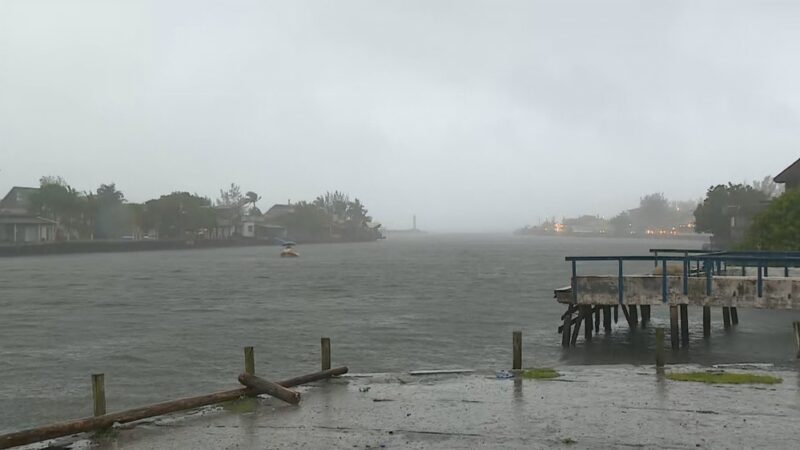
(475, 116)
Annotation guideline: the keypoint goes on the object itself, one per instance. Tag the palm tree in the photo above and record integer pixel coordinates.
(251, 198)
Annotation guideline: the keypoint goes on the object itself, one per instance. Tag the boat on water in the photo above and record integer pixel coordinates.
(289, 251)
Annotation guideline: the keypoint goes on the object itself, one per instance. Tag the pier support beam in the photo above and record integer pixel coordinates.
(616, 313)
(726, 316)
(673, 326)
(566, 329)
(659, 348)
(684, 325)
(597, 318)
(645, 315)
(734, 316)
(634, 312)
(607, 318)
(587, 329)
(577, 328)
(627, 314)
(706, 322)
(797, 337)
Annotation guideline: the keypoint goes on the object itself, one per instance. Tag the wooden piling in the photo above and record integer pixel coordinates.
(684, 309)
(577, 327)
(616, 313)
(607, 318)
(517, 347)
(249, 361)
(734, 316)
(797, 337)
(706, 321)
(597, 319)
(645, 315)
(325, 344)
(566, 328)
(268, 387)
(631, 324)
(587, 328)
(726, 316)
(659, 347)
(634, 312)
(99, 394)
(673, 326)
(85, 424)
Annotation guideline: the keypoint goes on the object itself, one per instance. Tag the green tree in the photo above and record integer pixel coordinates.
(723, 201)
(178, 215)
(251, 198)
(776, 228)
(110, 220)
(58, 201)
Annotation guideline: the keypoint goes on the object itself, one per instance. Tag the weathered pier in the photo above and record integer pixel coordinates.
(683, 278)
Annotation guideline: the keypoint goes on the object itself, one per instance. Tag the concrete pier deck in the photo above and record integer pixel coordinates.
(587, 407)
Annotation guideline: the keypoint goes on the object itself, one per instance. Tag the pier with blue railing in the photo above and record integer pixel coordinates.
(683, 278)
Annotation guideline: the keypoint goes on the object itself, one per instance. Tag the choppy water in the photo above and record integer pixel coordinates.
(162, 325)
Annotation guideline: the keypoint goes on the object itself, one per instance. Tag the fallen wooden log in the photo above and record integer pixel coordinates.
(268, 387)
(97, 423)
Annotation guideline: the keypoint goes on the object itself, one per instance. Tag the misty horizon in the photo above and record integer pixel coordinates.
(474, 116)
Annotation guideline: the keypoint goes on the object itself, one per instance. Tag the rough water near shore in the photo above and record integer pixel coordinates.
(163, 325)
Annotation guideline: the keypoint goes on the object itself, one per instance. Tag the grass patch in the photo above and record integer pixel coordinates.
(540, 374)
(723, 378)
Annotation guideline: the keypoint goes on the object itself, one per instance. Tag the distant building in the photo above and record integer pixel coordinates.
(17, 225)
(277, 211)
(790, 177)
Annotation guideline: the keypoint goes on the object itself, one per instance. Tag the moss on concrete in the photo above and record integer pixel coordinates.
(540, 373)
(723, 378)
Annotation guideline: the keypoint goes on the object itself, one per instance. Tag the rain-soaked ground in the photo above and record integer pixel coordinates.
(587, 407)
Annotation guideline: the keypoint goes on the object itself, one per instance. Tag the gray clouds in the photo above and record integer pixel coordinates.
(473, 115)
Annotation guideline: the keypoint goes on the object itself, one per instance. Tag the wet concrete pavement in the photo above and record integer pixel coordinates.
(587, 407)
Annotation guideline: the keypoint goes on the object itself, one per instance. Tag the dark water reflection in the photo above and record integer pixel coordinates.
(168, 324)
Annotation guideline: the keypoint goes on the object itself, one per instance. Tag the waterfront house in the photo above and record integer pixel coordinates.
(17, 225)
(790, 177)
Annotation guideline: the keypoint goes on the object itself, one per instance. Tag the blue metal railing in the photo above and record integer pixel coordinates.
(712, 263)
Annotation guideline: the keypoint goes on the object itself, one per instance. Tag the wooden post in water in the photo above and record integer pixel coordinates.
(634, 315)
(645, 315)
(587, 327)
(607, 318)
(659, 347)
(597, 318)
(673, 326)
(325, 344)
(684, 325)
(734, 316)
(706, 321)
(249, 361)
(99, 394)
(517, 345)
(797, 337)
(567, 327)
(726, 316)
(631, 323)
(577, 328)
(616, 313)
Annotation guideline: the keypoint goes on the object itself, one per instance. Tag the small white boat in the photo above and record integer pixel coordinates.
(289, 251)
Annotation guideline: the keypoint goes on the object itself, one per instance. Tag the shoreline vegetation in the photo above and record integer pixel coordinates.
(56, 218)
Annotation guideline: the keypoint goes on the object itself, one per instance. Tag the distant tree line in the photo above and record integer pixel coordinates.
(106, 214)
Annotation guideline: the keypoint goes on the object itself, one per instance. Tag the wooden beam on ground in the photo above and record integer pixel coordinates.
(271, 388)
(98, 423)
